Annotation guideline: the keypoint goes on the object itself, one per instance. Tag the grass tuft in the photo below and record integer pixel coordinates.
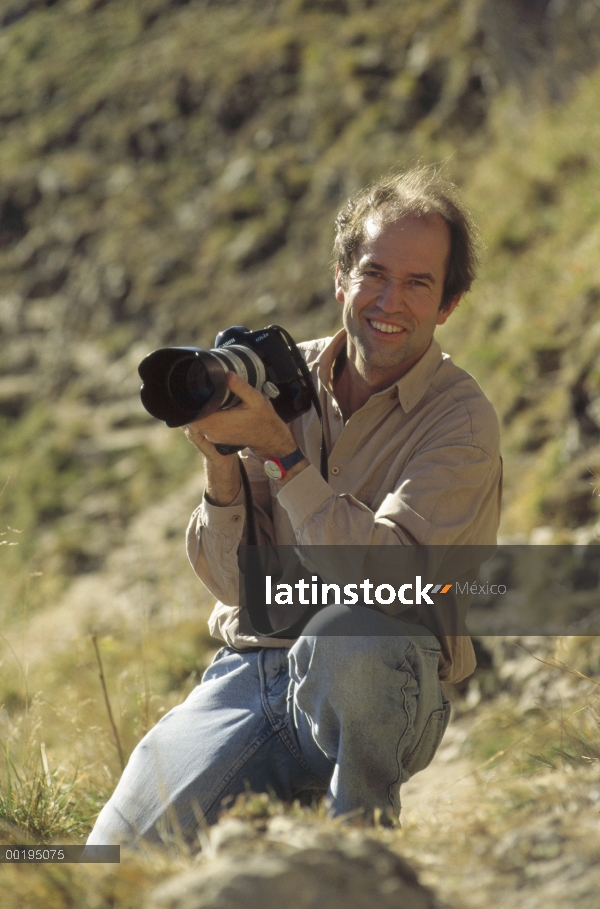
(42, 802)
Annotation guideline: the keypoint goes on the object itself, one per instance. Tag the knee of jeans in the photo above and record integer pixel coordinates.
(351, 621)
(336, 659)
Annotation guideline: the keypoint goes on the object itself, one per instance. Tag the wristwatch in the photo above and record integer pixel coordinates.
(276, 468)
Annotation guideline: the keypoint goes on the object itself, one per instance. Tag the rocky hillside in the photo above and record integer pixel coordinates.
(172, 167)
(168, 168)
(506, 815)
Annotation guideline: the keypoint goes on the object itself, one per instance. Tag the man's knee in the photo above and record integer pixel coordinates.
(342, 662)
(352, 621)
(349, 646)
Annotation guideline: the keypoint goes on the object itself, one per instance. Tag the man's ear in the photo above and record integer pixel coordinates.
(448, 309)
(340, 293)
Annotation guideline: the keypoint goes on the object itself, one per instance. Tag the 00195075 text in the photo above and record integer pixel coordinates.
(30, 854)
(53, 854)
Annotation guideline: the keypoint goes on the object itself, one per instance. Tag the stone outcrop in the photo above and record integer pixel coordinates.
(294, 864)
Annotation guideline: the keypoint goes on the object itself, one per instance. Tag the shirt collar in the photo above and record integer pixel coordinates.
(414, 384)
(326, 359)
(410, 387)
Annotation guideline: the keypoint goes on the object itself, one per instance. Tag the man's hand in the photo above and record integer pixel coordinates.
(221, 472)
(252, 424)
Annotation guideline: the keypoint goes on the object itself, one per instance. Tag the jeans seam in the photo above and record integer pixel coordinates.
(287, 740)
(237, 767)
(401, 740)
(280, 727)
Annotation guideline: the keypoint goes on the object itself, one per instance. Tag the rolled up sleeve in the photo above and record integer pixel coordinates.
(444, 497)
(212, 539)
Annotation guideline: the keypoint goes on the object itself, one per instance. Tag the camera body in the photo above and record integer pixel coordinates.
(183, 384)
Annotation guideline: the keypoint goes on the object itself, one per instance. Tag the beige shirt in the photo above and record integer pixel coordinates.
(419, 463)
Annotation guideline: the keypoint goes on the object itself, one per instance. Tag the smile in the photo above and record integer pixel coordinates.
(386, 327)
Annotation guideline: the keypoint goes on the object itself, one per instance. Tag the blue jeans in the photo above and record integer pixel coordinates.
(353, 709)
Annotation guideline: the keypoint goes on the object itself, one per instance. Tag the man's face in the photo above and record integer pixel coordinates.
(392, 296)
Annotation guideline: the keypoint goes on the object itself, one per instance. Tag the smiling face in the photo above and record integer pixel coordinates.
(392, 296)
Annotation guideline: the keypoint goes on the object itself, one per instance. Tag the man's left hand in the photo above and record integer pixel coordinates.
(253, 423)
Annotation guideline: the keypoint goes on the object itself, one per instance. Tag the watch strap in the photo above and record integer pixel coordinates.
(284, 464)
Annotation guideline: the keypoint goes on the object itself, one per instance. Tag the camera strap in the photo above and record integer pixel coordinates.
(302, 366)
(254, 573)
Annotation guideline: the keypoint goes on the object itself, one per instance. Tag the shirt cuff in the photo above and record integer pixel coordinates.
(221, 515)
(304, 495)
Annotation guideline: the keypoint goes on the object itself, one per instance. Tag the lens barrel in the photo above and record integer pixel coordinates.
(245, 364)
(183, 384)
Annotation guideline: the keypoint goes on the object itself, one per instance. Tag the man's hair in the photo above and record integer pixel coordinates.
(419, 192)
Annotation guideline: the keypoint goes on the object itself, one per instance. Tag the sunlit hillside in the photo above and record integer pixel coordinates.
(172, 167)
(169, 169)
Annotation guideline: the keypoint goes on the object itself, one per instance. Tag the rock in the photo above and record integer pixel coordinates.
(333, 869)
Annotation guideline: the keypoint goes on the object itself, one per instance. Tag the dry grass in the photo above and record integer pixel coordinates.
(83, 464)
(40, 802)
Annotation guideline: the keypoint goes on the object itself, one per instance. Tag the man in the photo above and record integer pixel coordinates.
(354, 706)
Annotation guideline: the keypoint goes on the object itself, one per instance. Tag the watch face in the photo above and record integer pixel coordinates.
(273, 470)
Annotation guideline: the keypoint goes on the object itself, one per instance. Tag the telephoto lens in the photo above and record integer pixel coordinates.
(183, 384)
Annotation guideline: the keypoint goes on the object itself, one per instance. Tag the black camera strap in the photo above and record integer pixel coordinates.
(302, 366)
(254, 573)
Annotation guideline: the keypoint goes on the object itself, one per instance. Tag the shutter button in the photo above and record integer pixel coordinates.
(335, 471)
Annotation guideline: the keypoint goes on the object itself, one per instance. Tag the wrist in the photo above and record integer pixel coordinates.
(218, 499)
(279, 445)
(223, 481)
(279, 468)
(302, 465)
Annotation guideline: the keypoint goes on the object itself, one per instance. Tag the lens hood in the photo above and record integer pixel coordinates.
(167, 393)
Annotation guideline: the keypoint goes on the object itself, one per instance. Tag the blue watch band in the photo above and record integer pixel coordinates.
(276, 468)
(292, 459)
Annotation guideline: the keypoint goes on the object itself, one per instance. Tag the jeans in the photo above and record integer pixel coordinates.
(353, 710)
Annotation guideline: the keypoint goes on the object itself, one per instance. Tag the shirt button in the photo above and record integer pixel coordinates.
(236, 518)
(337, 415)
(335, 471)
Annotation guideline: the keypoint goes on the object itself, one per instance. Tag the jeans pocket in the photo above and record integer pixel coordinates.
(213, 671)
(422, 755)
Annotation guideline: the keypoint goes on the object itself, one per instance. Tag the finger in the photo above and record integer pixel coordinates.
(195, 435)
(191, 430)
(242, 389)
(194, 426)
(202, 444)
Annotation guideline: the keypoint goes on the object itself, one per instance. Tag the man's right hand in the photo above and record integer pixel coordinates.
(222, 472)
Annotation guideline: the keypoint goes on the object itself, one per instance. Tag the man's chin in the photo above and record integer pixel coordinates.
(375, 358)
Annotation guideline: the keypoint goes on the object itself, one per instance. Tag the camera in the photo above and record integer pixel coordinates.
(183, 384)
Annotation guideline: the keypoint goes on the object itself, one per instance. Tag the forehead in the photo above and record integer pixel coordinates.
(406, 241)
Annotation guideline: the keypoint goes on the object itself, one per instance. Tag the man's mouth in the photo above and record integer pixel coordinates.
(386, 327)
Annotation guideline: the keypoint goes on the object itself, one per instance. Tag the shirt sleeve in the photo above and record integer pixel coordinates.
(215, 533)
(448, 494)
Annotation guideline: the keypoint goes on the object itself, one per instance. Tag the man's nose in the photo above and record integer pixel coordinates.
(392, 296)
